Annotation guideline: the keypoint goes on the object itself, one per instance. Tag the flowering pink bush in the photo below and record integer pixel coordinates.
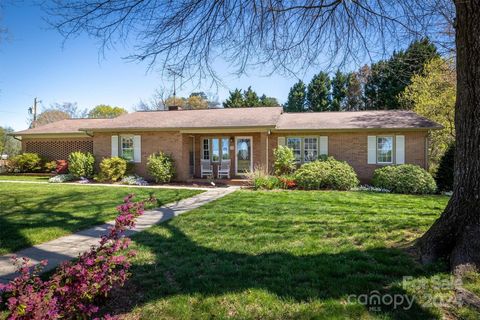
(76, 288)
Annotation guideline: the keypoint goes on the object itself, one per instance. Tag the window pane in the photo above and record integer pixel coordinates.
(127, 148)
(225, 148)
(384, 149)
(310, 149)
(296, 145)
(206, 149)
(215, 149)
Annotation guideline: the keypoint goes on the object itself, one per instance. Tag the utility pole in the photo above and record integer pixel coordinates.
(175, 74)
(33, 111)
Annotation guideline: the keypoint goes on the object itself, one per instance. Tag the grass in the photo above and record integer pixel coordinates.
(35, 213)
(23, 178)
(288, 255)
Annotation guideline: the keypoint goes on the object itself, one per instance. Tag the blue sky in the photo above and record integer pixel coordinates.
(33, 63)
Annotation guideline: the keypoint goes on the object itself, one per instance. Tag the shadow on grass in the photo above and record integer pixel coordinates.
(182, 267)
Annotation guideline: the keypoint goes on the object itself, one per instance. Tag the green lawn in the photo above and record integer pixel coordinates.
(287, 255)
(24, 178)
(35, 213)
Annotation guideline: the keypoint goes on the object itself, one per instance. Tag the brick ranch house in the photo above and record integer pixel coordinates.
(246, 136)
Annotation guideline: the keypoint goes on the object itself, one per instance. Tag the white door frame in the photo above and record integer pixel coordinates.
(236, 152)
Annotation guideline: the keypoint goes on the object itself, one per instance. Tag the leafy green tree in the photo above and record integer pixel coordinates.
(390, 77)
(432, 94)
(106, 111)
(296, 98)
(268, 101)
(8, 145)
(318, 93)
(235, 100)
(339, 91)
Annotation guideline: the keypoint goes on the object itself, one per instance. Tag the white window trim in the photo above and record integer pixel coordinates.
(393, 148)
(301, 147)
(120, 146)
(251, 154)
(210, 148)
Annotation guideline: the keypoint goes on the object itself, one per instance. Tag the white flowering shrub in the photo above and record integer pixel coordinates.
(60, 178)
(134, 181)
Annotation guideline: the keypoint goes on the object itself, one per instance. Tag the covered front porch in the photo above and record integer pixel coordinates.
(226, 156)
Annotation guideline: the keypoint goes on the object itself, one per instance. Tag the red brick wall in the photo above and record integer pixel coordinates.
(169, 142)
(352, 147)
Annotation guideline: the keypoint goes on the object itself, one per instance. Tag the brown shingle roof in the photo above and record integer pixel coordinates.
(67, 126)
(195, 119)
(391, 119)
(241, 117)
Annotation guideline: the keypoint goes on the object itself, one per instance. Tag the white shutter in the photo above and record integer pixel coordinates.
(372, 150)
(114, 146)
(137, 149)
(399, 149)
(323, 145)
(281, 141)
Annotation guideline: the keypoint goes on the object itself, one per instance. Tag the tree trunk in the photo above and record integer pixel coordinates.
(456, 234)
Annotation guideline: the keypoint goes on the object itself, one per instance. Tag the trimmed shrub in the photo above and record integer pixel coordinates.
(327, 174)
(50, 166)
(444, 176)
(161, 167)
(112, 169)
(81, 164)
(404, 178)
(284, 160)
(26, 162)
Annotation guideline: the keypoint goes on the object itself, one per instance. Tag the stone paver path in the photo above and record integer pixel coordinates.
(68, 247)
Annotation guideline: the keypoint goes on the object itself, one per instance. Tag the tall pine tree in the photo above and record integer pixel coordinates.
(318, 93)
(235, 100)
(390, 77)
(296, 98)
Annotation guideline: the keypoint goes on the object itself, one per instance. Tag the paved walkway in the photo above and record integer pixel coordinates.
(167, 186)
(68, 247)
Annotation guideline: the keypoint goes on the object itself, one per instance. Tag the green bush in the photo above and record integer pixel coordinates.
(161, 167)
(444, 176)
(327, 174)
(50, 166)
(260, 179)
(284, 160)
(26, 162)
(81, 164)
(404, 178)
(112, 169)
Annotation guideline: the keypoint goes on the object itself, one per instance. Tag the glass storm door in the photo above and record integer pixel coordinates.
(243, 157)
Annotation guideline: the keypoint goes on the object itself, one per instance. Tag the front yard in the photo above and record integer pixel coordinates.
(35, 213)
(288, 255)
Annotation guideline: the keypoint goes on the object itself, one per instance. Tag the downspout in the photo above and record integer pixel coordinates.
(268, 133)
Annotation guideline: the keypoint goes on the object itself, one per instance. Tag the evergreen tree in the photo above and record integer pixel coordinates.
(268, 101)
(318, 93)
(251, 98)
(444, 175)
(339, 91)
(235, 100)
(296, 98)
(390, 77)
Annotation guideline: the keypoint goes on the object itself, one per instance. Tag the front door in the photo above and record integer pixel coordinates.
(243, 156)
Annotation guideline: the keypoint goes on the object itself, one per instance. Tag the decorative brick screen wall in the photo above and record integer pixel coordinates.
(58, 149)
